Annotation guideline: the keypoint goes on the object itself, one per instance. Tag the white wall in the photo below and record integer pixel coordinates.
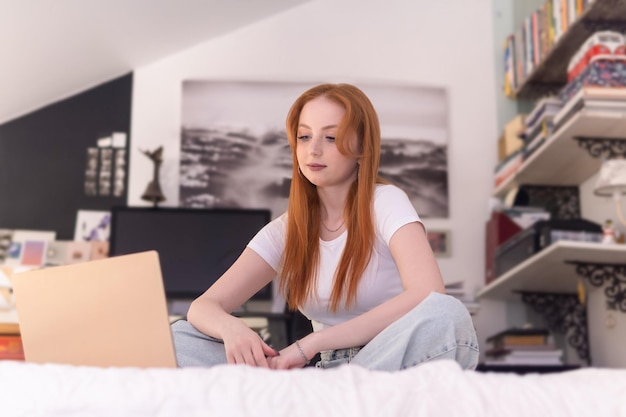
(445, 43)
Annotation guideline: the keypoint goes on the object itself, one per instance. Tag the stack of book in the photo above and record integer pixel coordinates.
(515, 347)
(508, 167)
(10, 342)
(611, 100)
(10, 339)
(539, 124)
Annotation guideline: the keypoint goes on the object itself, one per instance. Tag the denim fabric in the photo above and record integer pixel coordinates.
(194, 348)
(440, 327)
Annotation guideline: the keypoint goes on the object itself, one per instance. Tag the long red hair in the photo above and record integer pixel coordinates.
(301, 256)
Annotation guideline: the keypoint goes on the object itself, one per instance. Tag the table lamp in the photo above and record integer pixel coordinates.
(612, 182)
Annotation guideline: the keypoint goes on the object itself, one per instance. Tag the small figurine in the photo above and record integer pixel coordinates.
(608, 232)
(153, 191)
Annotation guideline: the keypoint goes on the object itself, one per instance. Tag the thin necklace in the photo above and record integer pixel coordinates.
(333, 230)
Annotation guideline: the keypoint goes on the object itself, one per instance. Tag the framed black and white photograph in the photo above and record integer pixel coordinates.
(234, 149)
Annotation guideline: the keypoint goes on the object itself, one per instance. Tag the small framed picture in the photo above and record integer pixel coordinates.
(28, 247)
(92, 226)
(439, 242)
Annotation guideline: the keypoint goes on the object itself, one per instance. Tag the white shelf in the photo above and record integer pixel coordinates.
(547, 270)
(560, 160)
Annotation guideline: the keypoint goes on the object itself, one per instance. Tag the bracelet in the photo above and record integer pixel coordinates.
(306, 361)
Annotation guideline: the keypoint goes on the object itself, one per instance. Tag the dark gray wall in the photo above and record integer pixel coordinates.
(43, 157)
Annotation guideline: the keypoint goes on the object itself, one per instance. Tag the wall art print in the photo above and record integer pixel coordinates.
(439, 241)
(234, 150)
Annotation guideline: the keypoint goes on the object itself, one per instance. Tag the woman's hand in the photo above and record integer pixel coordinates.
(288, 358)
(245, 347)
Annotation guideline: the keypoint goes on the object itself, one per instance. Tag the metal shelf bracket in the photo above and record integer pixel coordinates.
(611, 276)
(602, 147)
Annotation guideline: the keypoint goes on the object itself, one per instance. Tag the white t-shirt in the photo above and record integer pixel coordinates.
(381, 279)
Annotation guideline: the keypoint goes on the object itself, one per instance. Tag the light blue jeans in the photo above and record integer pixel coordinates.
(440, 327)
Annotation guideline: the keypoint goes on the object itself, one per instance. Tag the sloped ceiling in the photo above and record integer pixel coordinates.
(52, 49)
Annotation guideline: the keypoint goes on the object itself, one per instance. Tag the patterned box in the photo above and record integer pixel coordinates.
(600, 73)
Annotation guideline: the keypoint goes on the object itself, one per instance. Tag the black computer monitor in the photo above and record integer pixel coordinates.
(195, 246)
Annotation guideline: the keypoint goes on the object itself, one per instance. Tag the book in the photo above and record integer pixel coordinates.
(508, 348)
(530, 63)
(9, 328)
(11, 347)
(543, 355)
(534, 22)
(524, 361)
(499, 229)
(536, 339)
(547, 349)
(540, 134)
(605, 98)
(545, 107)
(556, 20)
(508, 167)
(519, 336)
(510, 83)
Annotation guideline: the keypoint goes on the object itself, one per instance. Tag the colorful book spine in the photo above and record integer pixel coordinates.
(564, 15)
(556, 19)
(519, 56)
(530, 62)
(549, 19)
(535, 39)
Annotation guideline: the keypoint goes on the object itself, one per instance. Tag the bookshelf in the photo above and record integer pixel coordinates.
(560, 161)
(551, 73)
(567, 157)
(548, 271)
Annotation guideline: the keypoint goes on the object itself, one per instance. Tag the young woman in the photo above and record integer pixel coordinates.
(351, 253)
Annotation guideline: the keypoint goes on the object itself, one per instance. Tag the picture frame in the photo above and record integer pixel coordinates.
(27, 247)
(6, 237)
(227, 160)
(92, 226)
(440, 242)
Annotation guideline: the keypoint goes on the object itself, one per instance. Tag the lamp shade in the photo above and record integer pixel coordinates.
(612, 178)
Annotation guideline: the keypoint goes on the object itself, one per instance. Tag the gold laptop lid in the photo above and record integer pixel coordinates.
(108, 312)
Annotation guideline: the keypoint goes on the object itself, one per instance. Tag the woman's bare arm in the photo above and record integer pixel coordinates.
(211, 312)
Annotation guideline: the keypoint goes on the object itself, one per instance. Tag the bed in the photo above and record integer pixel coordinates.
(439, 388)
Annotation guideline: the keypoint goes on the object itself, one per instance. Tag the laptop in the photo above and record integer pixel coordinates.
(107, 312)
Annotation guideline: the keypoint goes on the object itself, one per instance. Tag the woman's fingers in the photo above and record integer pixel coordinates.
(254, 353)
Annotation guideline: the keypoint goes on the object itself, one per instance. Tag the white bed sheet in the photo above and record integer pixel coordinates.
(435, 389)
